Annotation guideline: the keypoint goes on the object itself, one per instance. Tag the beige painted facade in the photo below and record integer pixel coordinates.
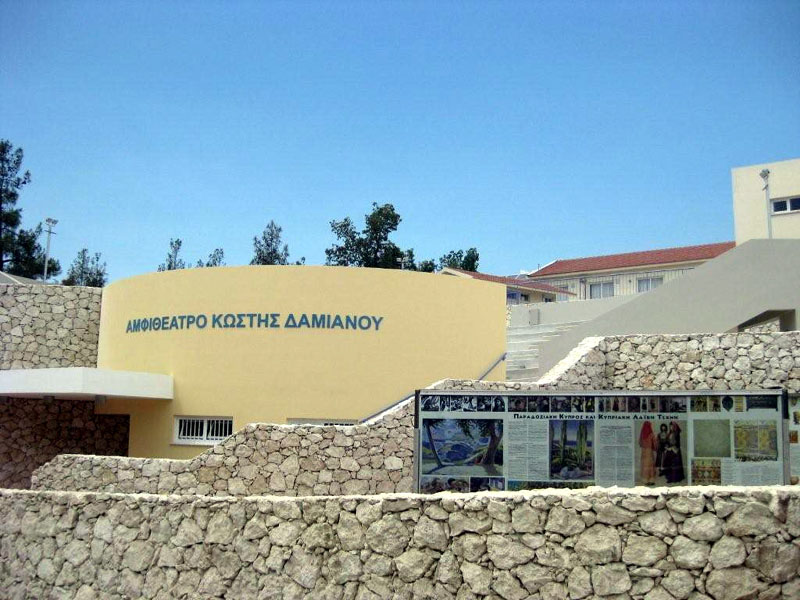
(622, 282)
(750, 204)
(430, 328)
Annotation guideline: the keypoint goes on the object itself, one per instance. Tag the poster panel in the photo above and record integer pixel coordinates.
(794, 433)
(484, 442)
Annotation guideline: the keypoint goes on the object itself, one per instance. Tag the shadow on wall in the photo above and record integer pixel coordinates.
(34, 431)
(285, 460)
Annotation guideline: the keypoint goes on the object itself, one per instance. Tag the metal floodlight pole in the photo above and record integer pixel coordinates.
(765, 176)
(50, 224)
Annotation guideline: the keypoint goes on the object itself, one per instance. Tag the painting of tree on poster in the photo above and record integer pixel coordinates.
(572, 449)
(463, 447)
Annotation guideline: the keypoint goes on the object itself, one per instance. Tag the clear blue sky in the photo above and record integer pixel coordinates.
(531, 130)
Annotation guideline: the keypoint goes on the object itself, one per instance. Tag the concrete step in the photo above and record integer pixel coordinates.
(523, 354)
(566, 325)
(522, 374)
(517, 344)
(522, 360)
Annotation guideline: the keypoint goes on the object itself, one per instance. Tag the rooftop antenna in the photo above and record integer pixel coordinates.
(765, 176)
(50, 224)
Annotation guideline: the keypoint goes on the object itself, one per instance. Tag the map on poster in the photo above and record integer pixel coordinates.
(517, 441)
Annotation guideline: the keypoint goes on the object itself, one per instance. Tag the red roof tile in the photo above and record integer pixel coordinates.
(634, 259)
(513, 281)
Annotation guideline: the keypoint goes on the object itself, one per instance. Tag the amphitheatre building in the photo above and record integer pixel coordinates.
(331, 433)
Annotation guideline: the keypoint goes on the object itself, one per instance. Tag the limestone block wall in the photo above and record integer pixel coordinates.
(34, 431)
(378, 457)
(48, 326)
(287, 460)
(651, 544)
(684, 362)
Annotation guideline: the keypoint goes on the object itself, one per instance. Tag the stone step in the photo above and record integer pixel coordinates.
(522, 374)
(522, 364)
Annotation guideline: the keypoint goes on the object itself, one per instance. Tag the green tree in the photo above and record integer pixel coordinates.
(173, 261)
(371, 247)
(215, 259)
(426, 266)
(460, 259)
(27, 256)
(10, 184)
(269, 249)
(86, 271)
(470, 260)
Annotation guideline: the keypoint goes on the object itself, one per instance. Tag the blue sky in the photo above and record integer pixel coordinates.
(532, 130)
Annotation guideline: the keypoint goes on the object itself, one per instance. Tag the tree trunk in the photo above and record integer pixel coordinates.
(433, 445)
(491, 450)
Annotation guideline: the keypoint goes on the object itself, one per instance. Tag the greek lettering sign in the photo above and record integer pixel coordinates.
(517, 441)
(254, 320)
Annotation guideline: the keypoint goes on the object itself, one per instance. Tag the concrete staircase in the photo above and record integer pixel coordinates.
(523, 348)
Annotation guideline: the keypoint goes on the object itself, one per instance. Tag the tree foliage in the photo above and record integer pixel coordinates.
(269, 249)
(86, 271)
(371, 247)
(460, 259)
(173, 261)
(27, 256)
(215, 259)
(11, 181)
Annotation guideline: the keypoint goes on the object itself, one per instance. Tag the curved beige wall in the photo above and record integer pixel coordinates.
(432, 328)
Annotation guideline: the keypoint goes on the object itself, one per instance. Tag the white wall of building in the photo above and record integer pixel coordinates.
(750, 204)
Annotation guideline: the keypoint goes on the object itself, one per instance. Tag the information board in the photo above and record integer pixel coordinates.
(518, 441)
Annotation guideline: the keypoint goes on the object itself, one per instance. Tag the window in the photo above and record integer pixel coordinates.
(202, 431)
(786, 205)
(601, 290)
(645, 284)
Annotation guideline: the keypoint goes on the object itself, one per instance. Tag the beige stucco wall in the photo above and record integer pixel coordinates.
(749, 201)
(433, 327)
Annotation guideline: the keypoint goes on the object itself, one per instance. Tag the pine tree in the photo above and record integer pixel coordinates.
(86, 271)
(173, 260)
(10, 184)
(270, 249)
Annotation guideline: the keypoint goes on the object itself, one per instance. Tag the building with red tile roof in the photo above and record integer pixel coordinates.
(518, 289)
(623, 274)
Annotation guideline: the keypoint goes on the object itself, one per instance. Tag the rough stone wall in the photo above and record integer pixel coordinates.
(48, 326)
(288, 460)
(698, 361)
(652, 544)
(34, 431)
(377, 457)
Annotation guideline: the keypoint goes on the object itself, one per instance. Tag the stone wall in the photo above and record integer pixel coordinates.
(288, 460)
(655, 544)
(377, 457)
(698, 361)
(48, 326)
(34, 431)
